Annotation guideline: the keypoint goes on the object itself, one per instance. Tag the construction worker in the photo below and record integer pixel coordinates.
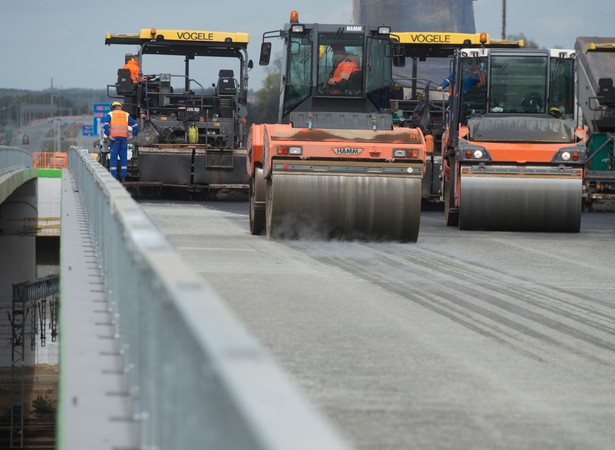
(471, 77)
(132, 64)
(115, 127)
(345, 65)
(447, 83)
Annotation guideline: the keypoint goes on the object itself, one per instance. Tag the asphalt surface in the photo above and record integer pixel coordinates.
(464, 340)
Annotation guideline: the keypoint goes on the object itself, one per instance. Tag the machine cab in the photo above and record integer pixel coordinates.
(326, 65)
(515, 82)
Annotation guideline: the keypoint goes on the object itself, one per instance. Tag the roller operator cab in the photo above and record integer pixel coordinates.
(334, 165)
(190, 101)
(513, 151)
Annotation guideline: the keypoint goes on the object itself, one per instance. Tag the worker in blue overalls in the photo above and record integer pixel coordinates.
(115, 126)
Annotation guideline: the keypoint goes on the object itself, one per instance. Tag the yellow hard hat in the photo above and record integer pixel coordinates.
(322, 51)
(114, 104)
(555, 112)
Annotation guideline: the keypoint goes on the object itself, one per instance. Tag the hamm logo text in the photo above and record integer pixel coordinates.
(346, 150)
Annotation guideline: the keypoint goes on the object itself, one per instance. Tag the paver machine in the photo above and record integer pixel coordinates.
(417, 102)
(334, 165)
(191, 132)
(513, 151)
(595, 73)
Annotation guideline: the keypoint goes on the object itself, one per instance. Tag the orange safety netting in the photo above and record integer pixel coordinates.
(50, 160)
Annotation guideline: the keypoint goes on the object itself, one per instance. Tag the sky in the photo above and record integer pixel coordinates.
(61, 42)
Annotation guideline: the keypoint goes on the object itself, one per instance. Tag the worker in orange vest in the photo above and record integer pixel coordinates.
(345, 65)
(115, 127)
(132, 64)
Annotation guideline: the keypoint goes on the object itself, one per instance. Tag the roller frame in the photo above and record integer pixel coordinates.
(451, 211)
(258, 191)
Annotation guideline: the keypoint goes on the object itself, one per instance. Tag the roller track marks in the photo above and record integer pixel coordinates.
(540, 321)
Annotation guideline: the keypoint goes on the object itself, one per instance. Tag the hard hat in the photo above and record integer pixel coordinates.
(114, 104)
(555, 112)
(322, 51)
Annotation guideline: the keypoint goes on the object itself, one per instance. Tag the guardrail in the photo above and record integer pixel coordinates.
(12, 158)
(15, 169)
(197, 378)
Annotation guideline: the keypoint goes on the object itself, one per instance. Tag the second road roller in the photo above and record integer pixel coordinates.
(334, 165)
(514, 150)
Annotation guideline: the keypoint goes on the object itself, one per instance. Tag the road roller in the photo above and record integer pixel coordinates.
(595, 74)
(513, 149)
(333, 166)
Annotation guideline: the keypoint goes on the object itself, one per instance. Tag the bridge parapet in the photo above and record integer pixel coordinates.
(195, 377)
(14, 158)
(15, 169)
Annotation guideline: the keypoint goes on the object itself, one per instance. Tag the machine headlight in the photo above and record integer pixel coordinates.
(473, 152)
(571, 155)
(289, 150)
(405, 153)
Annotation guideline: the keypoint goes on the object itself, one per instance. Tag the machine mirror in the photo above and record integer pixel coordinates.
(294, 48)
(265, 54)
(399, 59)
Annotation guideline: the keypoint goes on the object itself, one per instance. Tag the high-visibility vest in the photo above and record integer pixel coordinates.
(344, 69)
(133, 66)
(118, 126)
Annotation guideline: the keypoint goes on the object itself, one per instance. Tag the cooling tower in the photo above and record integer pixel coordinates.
(417, 15)
(454, 16)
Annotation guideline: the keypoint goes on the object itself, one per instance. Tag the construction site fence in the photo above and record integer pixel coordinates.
(49, 160)
(197, 378)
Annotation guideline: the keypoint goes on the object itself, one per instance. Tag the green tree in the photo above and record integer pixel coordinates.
(265, 108)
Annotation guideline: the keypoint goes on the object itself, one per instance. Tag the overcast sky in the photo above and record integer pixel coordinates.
(63, 40)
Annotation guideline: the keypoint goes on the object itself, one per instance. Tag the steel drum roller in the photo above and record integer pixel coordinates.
(520, 203)
(351, 206)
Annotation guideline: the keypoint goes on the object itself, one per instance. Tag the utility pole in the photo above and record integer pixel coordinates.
(57, 135)
(503, 20)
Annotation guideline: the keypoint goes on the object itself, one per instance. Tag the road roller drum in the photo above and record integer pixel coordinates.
(346, 206)
(520, 204)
